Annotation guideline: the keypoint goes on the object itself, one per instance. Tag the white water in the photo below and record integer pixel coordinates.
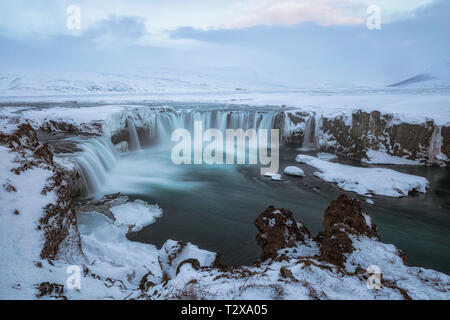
(102, 170)
(134, 137)
(309, 140)
(167, 122)
(98, 157)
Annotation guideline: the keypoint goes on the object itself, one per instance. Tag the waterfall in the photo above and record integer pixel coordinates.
(309, 139)
(98, 156)
(435, 155)
(167, 122)
(134, 138)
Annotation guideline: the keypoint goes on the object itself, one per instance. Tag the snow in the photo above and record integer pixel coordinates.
(136, 215)
(366, 181)
(412, 105)
(111, 254)
(273, 176)
(20, 242)
(171, 249)
(417, 281)
(111, 117)
(294, 171)
(381, 157)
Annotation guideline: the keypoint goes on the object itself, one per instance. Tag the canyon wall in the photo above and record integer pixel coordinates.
(356, 136)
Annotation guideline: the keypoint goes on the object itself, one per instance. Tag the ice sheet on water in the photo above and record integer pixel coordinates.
(366, 181)
(137, 214)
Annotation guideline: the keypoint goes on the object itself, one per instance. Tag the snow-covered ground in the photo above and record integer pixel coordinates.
(111, 117)
(366, 181)
(414, 105)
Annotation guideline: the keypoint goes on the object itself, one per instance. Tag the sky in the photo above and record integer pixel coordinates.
(306, 42)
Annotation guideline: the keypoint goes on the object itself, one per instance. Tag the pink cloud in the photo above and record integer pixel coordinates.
(289, 12)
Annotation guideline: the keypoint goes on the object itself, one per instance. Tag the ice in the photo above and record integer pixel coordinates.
(274, 176)
(137, 214)
(294, 171)
(366, 181)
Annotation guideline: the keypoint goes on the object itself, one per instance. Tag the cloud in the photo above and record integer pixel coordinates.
(305, 53)
(290, 12)
(401, 49)
(117, 31)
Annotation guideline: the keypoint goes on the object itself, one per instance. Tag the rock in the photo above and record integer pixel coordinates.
(287, 274)
(335, 244)
(349, 213)
(148, 280)
(102, 205)
(277, 230)
(294, 171)
(344, 216)
(353, 138)
(9, 187)
(53, 290)
(122, 147)
(193, 262)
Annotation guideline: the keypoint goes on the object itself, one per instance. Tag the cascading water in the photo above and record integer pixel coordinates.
(134, 138)
(98, 156)
(309, 140)
(167, 122)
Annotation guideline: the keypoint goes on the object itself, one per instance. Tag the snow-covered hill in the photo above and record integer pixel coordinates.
(435, 76)
(133, 82)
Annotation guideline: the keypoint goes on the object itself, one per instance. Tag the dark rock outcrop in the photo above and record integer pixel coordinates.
(349, 213)
(344, 217)
(53, 290)
(277, 230)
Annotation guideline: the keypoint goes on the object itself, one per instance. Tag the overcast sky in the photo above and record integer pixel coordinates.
(315, 41)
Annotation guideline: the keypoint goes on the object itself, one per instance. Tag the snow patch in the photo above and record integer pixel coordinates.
(381, 157)
(137, 214)
(366, 181)
(294, 171)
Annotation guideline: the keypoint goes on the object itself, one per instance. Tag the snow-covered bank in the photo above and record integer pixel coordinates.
(366, 181)
(103, 119)
(43, 241)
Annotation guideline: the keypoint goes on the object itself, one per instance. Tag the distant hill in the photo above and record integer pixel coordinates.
(436, 76)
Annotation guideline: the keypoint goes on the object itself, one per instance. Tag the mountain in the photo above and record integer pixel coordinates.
(435, 76)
